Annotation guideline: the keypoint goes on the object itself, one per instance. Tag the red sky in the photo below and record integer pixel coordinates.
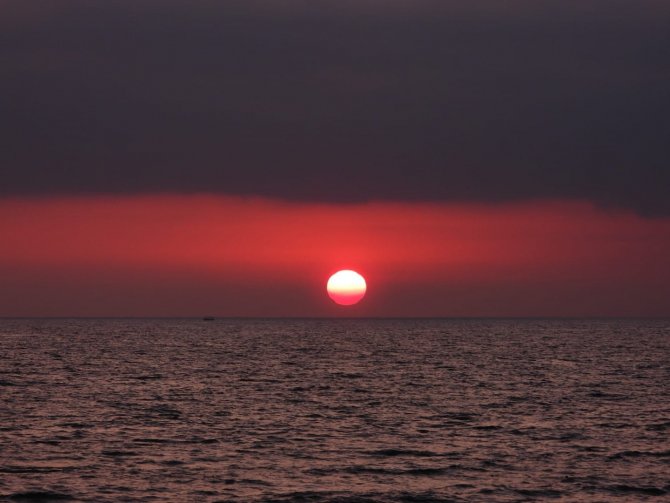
(225, 256)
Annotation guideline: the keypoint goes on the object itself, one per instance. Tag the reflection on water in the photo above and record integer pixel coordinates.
(334, 410)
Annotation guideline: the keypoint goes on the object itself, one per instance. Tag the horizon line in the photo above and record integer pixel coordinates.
(215, 318)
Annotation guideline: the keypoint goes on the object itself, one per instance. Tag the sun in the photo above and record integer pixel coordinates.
(346, 287)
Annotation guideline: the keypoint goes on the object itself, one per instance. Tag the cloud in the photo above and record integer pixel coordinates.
(339, 101)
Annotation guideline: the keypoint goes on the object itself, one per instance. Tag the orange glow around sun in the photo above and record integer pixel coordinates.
(174, 255)
(346, 287)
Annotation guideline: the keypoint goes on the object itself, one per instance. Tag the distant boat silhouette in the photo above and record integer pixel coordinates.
(208, 318)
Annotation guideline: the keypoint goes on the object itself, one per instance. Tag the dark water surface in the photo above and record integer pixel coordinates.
(334, 410)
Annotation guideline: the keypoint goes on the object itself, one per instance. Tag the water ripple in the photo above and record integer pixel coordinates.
(334, 410)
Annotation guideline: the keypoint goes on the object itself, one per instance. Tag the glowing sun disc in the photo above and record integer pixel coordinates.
(346, 287)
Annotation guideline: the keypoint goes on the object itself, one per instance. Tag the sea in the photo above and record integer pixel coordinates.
(334, 410)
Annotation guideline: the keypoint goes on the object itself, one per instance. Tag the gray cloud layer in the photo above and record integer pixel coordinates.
(339, 100)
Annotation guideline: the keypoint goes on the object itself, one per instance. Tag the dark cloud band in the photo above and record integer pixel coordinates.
(339, 101)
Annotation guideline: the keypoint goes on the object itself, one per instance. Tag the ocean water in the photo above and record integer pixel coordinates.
(335, 410)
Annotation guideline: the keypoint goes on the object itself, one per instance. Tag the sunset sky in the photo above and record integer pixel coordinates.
(469, 158)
